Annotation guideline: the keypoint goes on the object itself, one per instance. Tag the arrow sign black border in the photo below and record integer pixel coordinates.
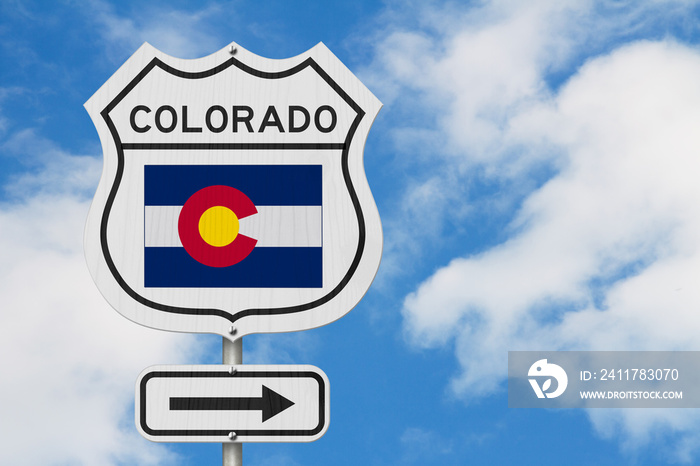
(239, 432)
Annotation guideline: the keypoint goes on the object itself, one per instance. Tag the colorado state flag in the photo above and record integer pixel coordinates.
(233, 226)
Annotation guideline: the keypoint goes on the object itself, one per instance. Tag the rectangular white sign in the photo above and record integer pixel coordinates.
(221, 403)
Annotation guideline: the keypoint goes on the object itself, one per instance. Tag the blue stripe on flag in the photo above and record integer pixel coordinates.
(263, 268)
(263, 184)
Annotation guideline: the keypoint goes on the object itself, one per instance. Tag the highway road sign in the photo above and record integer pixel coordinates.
(233, 198)
(253, 403)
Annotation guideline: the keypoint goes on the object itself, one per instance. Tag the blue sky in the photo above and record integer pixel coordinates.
(535, 167)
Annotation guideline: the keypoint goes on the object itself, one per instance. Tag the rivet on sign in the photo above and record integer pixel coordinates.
(231, 370)
(232, 435)
(232, 50)
(232, 330)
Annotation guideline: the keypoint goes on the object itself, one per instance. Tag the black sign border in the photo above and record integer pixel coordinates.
(345, 146)
(241, 432)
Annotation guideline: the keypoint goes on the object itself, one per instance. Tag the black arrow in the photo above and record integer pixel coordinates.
(270, 403)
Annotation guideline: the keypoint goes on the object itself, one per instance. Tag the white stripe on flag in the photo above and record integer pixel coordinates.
(272, 226)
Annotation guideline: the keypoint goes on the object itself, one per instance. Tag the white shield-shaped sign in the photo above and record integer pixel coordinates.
(233, 198)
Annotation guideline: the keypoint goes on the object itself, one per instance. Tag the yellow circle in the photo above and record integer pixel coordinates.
(218, 226)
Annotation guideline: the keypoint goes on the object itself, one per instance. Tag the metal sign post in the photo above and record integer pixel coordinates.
(232, 356)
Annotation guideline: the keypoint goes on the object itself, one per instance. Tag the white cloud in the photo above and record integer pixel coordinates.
(69, 361)
(640, 426)
(49, 169)
(604, 253)
(625, 202)
(179, 33)
(419, 446)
